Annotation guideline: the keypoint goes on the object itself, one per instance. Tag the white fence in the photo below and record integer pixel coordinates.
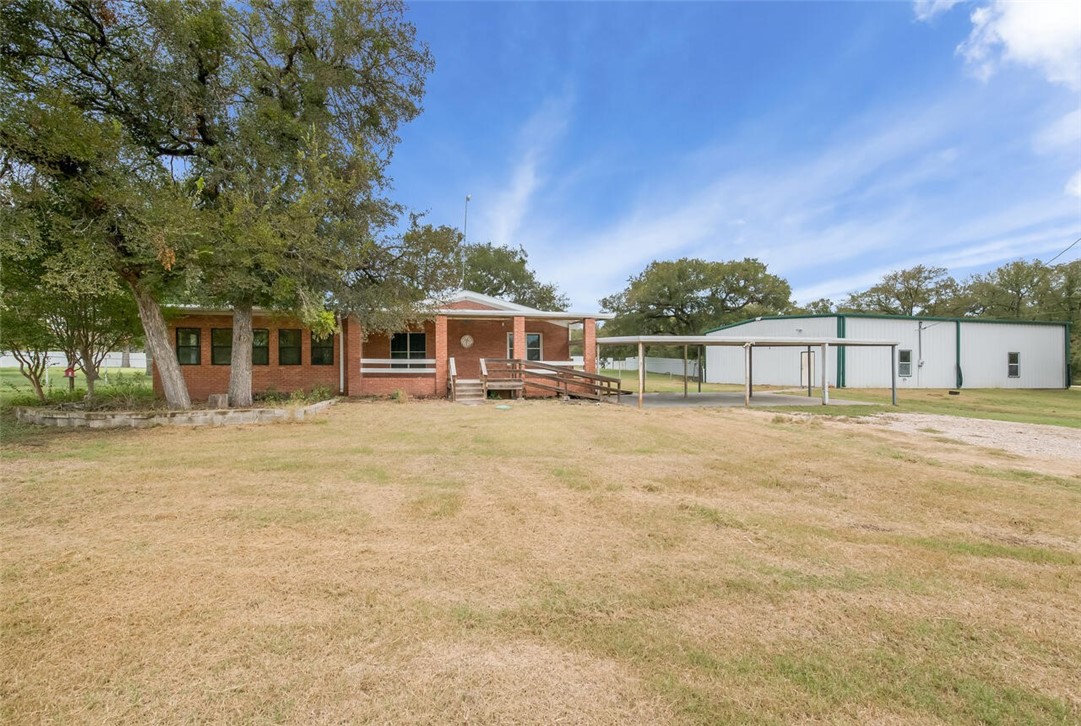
(670, 366)
(58, 359)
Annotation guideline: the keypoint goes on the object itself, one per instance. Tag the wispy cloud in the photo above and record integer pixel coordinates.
(869, 201)
(513, 199)
(928, 9)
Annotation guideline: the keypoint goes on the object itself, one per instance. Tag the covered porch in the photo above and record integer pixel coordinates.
(478, 342)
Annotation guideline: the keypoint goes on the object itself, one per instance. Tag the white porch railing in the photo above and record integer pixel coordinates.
(398, 366)
(557, 363)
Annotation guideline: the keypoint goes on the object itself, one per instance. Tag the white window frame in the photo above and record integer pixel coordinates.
(410, 352)
(540, 346)
(904, 368)
(1013, 368)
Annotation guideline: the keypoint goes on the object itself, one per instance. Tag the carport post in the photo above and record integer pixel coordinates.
(810, 373)
(684, 371)
(641, 372)
(825, 374)
(750, 372)
(893, 373)
(747, 375)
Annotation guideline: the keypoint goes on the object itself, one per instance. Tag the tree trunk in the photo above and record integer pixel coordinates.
(240, 362)
(33, 368)
(149, 362)
(89, 370)
(125, 357)
(157, 344)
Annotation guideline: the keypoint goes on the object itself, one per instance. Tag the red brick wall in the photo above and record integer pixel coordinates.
(206, 378)
(490, 341)
(418, 385)
(469, 305)
(589, 345)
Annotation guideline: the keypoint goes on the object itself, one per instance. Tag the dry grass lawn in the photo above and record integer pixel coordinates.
(431, 563)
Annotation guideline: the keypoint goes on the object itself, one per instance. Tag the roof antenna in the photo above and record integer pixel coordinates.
(465, 237)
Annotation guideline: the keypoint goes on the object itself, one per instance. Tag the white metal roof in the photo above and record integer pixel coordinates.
(739, 341)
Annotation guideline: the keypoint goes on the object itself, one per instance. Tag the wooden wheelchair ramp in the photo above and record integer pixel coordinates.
(523, 376)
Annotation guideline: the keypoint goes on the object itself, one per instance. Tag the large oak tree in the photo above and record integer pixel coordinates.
(248, 146)
(689, 296)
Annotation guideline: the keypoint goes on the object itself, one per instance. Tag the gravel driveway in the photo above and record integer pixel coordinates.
(1037, 441)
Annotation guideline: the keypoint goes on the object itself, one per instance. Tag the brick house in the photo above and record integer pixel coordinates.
(422, 361)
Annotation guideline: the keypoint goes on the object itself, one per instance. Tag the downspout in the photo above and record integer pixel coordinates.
(1069, 373)
(341, 356)
(960, 375)
(841, 352)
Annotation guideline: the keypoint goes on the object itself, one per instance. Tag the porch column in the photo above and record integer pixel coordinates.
(442, 364)
(641, 373)
(519, 338)
(351, 333)
(589, 345)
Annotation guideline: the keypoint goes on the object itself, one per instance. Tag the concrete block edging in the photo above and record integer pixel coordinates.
(146, 419)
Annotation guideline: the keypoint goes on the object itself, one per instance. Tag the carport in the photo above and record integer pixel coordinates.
(748, 345)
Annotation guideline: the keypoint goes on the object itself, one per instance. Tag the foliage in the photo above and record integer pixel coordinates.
(919, 290)
(390, 281)
(299, 397)
(689, 296)
(1018, 290)
(119, 391)
(234, 154)
(503, 272)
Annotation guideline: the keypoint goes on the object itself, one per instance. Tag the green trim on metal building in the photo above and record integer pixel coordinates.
(842, 325)
(883, 316)
(840, 381)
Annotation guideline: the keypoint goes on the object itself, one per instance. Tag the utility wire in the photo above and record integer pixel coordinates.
(1060, 254)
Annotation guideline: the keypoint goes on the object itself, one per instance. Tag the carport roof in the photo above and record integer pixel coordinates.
(739, 341)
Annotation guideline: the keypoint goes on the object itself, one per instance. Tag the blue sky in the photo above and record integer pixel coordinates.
(833, 141)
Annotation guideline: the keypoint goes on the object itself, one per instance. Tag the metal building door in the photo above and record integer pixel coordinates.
(806, 368)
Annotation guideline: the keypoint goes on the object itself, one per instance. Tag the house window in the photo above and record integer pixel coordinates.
(288, 347)
(904, 363)
(322, 350)
(1013, 365)
(187, 346)
(408, 346)
(533, 349)
(260, 347)
(221, 346)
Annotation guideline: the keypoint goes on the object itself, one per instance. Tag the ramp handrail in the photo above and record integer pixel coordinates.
(559, 379)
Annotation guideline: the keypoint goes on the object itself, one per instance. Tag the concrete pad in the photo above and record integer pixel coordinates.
(731, 399)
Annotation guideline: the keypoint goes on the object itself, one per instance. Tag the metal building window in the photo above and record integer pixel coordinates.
(288, 347)
(408, 346)
(1013, 365)
(221, 346)
(904, 363)
(533, 346)
(260, 347)
(187, 346)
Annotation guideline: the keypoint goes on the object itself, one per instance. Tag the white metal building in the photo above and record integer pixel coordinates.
(932, 352)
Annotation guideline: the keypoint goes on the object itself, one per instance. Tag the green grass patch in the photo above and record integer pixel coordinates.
(1024, 553)
(1057, 407)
